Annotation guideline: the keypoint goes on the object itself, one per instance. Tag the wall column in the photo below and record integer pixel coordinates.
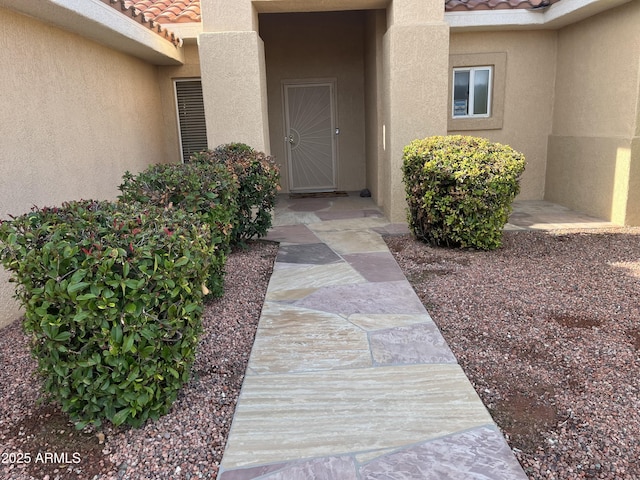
(234, 84)
(415, 64)
(633, 202)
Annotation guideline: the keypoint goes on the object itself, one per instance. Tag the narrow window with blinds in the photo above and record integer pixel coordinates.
(191, 120)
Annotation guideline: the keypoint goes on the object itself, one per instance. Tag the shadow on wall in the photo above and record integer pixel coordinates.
(591, 175)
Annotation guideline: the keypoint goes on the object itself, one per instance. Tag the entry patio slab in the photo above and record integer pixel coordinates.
(349, 377)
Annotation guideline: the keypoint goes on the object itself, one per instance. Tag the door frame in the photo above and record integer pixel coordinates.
(332, 83)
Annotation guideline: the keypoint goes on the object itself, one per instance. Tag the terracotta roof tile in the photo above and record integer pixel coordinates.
(472, 5)
(129, 8)
(167, 11)
(185, 11)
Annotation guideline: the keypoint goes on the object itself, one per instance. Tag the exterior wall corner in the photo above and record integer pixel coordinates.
(592, 163)
(234, 88)
(415, 86)
(632, 217)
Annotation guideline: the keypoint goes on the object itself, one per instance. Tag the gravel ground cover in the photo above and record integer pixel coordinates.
(547, 329)
(37, 440)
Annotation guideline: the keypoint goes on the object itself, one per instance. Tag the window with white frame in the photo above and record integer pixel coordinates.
(472, 92)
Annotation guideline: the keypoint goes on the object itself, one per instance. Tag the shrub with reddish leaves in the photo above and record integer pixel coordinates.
(258, 179)
(113, 298)
(205, 189)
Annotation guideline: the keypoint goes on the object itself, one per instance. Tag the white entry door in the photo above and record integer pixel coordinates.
(310, 136)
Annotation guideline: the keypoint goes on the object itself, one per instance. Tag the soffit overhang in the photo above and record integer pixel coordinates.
(555, 16)
(100, 22)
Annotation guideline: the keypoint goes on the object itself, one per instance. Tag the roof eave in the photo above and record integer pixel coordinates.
(557, 16)
(103, 24)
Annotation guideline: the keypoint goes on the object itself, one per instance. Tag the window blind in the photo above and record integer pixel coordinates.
(193, 129)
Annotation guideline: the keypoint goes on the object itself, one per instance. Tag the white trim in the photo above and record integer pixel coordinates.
(187, 31)
(101, 23)
(558, 15)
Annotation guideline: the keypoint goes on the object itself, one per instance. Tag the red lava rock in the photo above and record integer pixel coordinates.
(546, 328)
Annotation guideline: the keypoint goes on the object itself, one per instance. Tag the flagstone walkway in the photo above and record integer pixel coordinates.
(349, 377)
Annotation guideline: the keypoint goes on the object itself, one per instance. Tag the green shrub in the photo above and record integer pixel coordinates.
(208, 190)
(258, 177)
(113, 302)
(460, 189)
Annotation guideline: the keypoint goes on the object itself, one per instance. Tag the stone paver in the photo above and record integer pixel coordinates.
(315, 253)
(292, 339)
(287, 417)
(349, 377)
(480, 453)
(414, 344)
(378, 297)
(376, 266)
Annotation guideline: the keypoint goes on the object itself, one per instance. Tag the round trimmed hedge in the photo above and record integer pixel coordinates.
(459, 189)
(113, 298)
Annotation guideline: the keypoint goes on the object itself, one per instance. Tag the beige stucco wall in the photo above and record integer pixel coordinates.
(592, 162)
(10, 308)
(528, 96)
(415, 66)
(234, 88)
(375, 27)
(633, 203)
(75, 116)
(234, 84)
(325, 45)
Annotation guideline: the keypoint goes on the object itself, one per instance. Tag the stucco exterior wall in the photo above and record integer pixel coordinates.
(10, 308)
(324, 45)
(633, 203)
(595, 122)
(415, 63)
(375, 27)
(234, 88)
(527, 112)
(415, 51)
(75, 116)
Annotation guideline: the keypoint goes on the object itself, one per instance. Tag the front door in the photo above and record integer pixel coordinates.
(310, 136)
